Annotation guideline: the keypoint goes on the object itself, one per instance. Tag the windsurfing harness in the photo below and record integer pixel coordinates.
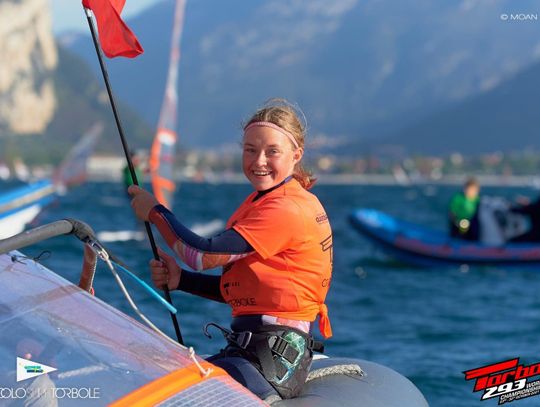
(283, 270)
(281, 354)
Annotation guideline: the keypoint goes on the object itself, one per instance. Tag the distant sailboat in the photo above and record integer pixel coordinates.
(20, 169)
(164, 145)
(72, 170)
(21, 205)
(5, 173)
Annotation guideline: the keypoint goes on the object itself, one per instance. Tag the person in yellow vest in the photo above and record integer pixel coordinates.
(276, 254)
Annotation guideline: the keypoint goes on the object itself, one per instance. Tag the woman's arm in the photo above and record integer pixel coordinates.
(196, 251)
(166, 272)
(202, 285)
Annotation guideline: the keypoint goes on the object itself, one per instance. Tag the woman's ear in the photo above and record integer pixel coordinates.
(298, 154)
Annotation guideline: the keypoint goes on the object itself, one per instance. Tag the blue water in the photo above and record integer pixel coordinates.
(428, 324)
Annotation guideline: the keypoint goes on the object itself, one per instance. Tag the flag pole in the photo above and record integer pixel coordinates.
(125, 147)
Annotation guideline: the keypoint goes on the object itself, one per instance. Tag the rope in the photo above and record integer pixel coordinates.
(134, 306)
(349, 369)
(204, 372)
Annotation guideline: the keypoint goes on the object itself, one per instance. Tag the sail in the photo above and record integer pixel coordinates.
(101, 356)
(164, 145)
(72, 170)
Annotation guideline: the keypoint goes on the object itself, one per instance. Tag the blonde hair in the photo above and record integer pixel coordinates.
(285, 115)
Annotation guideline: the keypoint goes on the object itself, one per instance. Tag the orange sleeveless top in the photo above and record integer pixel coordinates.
(290, 273)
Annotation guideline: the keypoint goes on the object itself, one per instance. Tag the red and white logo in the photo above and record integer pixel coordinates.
(507, 380)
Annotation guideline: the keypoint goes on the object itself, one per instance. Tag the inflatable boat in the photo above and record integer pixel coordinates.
(65, 345)
(418, 245)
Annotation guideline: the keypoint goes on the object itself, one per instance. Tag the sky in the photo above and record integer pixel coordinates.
(68, 14)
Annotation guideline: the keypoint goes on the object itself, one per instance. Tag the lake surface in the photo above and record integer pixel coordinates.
(428, 324)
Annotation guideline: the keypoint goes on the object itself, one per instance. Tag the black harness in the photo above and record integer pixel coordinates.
(266, 348)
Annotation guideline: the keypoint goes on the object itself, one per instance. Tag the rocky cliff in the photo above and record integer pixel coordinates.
(28, 57)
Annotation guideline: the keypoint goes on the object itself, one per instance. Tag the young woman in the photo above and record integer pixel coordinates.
(276, 254)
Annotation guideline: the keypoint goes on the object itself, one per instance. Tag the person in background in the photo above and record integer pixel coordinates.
(276, 254)
(531, 210)
(463, 211)
(137, 165)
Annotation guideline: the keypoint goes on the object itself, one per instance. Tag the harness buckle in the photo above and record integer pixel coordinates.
(282, 348)
(242, 339)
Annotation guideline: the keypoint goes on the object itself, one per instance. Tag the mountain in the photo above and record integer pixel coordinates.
(81, 101)
(49, 97)
(359, 70)
(502, 119)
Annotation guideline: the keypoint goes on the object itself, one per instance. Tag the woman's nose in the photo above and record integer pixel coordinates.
(261, 158)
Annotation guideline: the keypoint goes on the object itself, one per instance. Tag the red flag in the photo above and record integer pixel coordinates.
(114, 35)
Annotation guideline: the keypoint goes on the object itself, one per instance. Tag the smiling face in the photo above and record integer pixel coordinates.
(268, 157)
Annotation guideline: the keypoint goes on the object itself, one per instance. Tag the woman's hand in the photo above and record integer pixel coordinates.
(165, 272)
(142, 202)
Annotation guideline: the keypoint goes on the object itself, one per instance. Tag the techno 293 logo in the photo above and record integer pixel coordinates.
(507, 380)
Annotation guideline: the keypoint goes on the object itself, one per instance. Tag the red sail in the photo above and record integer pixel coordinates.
(164, 145)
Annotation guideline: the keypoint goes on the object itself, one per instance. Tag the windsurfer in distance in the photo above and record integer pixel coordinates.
(276, 254)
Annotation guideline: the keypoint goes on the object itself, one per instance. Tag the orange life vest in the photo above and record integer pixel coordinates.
(289, 275)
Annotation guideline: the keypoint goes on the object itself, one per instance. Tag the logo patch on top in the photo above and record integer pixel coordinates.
(321, 218)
